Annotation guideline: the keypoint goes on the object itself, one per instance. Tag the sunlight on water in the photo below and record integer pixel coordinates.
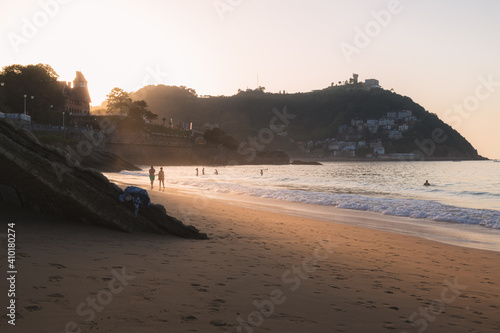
(461, 192)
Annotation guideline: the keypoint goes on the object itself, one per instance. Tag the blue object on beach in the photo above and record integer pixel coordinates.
(137, 195)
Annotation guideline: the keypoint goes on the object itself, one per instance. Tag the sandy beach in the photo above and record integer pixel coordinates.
(260, 271)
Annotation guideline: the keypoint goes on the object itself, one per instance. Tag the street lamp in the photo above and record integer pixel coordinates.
(2, 84)
(63, 118)
(32, 97)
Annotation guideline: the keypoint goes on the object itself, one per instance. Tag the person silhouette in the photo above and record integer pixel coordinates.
(161, 177)
(427, 183)
(152, 176)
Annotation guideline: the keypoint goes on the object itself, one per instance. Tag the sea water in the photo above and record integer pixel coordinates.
(461, 193)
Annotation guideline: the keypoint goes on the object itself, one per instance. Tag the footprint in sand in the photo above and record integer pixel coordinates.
(56, 295)
(58, 266)
(55, 278)
(187, 319)
(388, 325)
(199, 285)
(216, 304)
(218, 322)
(32, 308)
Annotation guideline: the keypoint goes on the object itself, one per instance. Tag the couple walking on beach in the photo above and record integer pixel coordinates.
(161, 177)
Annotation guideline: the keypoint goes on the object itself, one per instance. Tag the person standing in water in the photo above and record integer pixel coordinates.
(427, 183)
(196, 172)
(161, 178)
(152, 176)
(203, 172)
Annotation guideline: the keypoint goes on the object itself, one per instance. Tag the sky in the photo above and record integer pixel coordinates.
(443, 54)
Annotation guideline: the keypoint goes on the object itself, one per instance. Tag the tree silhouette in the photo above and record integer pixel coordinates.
(118, 101)
(39, 81)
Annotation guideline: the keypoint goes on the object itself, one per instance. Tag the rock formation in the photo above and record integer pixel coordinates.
(51, 181)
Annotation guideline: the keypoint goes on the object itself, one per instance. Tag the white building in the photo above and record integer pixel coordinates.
(404, 113)
(386, 121)
(403, 128)
(373, 128)
(379, 150)
(395, 135)
(372, 83)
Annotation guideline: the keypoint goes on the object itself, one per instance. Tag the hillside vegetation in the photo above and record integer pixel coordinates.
(280, 121)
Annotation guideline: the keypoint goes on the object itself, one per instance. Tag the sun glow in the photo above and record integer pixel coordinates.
(293, 47)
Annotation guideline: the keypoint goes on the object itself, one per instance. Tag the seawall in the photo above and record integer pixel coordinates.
(151, 154)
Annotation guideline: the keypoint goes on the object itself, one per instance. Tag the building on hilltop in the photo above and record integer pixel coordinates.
(372, 83)
(77, 97)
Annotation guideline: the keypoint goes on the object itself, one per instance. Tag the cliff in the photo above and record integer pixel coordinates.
(49, 180)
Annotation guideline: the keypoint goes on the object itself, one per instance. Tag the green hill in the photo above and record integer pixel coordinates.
(286, 121)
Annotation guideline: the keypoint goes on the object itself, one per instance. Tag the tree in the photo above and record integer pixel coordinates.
(138, 111)
(217, 136)
(39, 81)
(118, 101)
(214, 135)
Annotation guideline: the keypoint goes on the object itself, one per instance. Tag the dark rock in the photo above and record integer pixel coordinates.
(105, 161)
(52, 181)
(298, 162)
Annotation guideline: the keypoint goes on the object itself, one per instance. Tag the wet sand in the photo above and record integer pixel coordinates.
(260, 271)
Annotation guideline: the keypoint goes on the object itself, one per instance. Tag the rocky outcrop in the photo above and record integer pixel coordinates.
(105, 161)
(51, 181)
(299, 162)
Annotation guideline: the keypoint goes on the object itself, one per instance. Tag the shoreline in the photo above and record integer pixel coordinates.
(259, 271)
(479, 237)
(455, 233)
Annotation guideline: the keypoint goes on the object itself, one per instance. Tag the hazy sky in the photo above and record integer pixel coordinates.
(443, 54)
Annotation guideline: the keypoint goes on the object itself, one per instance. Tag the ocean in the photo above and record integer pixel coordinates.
(462, 205)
